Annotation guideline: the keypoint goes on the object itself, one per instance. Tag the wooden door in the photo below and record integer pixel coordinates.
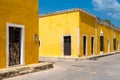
(14, 46)
(114, 44)
(92, 45)
(101, 43)
(84, 45)
(67, 45)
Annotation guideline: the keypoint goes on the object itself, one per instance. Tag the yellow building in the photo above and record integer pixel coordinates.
(74, 33)
(108, 37)
(66, 33)
(18, 32)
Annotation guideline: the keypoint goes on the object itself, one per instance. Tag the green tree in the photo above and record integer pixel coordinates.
(108, 21)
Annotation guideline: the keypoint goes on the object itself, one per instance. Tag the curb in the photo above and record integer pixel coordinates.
(17, 71)
(94, 57)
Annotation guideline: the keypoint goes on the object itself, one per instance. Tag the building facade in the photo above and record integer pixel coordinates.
(18, 32)
(76, 33)
(108, 37)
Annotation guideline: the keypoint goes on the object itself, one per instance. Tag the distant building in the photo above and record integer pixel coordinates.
(76, 33)
(108, 37)
(18, 32)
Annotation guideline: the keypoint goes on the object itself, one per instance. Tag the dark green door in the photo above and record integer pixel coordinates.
(67, 45)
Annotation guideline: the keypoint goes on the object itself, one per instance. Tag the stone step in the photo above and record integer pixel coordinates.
(12, 72)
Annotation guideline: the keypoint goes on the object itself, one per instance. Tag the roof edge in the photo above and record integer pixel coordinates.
(66, 11)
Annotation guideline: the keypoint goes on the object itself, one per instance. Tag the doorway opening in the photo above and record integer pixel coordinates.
(15, 48)
(84, 45)
(92, 45)
(101, 43)
(67, 45)
(114, 42)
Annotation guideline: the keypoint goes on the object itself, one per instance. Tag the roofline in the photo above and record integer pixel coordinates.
(107, 24)
(73, 10)
(66, 11)
(110, 26)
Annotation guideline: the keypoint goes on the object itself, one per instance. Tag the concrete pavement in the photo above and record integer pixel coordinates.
(105, 68)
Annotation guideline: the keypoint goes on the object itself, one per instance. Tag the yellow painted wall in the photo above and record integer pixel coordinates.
(53, 28)
(23, 12)
(78, 23)
(117, 33)
(87, 28)
(109, 33)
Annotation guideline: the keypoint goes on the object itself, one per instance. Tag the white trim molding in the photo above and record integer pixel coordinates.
(93, 45)
(118, 45)
(86, 54)
(102, 34)
(108, 45)
(22, 60)
(63, 45)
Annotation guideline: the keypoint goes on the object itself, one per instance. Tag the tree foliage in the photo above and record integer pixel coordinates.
(108, 21)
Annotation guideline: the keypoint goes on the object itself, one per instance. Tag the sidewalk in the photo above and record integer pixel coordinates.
(84, 58)
(20, 70)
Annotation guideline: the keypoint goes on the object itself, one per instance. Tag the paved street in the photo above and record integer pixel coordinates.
(106, 68)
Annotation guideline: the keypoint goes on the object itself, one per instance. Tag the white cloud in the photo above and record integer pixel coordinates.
(111, 7)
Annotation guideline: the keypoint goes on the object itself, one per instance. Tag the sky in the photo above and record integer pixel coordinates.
(105, 9)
